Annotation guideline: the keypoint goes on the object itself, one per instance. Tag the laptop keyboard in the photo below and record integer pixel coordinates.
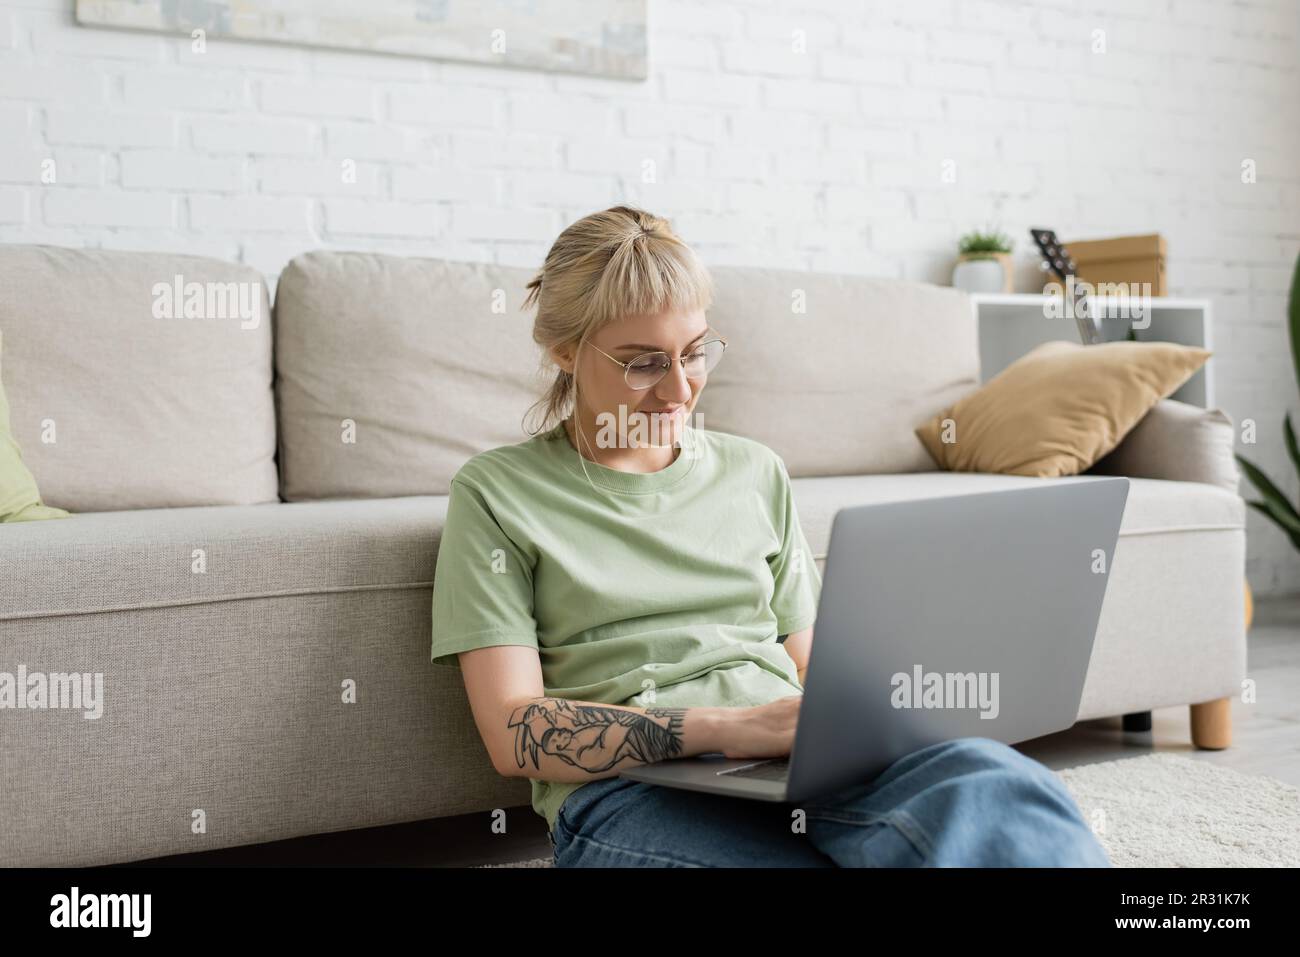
(777, 769)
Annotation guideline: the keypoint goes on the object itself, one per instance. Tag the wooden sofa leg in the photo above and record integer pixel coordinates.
(1212, 724)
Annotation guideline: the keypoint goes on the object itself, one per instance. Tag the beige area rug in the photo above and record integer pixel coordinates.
(1162, 810)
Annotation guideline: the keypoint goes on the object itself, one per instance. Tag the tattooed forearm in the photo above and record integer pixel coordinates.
(592, 737)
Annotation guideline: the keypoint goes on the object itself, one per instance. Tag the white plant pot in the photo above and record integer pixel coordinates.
(980, 275)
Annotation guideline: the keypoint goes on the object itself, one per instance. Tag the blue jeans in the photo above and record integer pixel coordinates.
(972, 802)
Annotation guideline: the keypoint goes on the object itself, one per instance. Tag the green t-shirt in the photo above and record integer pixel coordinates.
(663, 589)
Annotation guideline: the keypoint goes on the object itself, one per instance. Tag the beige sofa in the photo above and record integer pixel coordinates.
(259, 506)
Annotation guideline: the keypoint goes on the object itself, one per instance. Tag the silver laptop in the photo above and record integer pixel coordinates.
(972, 615)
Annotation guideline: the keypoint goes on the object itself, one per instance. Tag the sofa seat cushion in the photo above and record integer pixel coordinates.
(120, 561)
(123, 561)
(1154, 506)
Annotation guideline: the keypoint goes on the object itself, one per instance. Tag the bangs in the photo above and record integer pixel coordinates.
(649, 276)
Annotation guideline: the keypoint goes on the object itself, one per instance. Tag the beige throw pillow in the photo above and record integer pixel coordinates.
(1058, 409)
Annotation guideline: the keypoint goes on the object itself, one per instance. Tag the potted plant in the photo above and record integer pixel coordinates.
(984, 262)
(1273, 502)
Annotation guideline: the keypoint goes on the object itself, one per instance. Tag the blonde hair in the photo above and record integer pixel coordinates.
(618, 263)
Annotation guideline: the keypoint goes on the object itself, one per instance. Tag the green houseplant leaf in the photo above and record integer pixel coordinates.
(1274, 503)
(1291, 446)
(977, 244)
(1293, 318)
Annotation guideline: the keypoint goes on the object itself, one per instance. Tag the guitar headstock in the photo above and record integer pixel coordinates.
(1054, 253)
(1057, 259)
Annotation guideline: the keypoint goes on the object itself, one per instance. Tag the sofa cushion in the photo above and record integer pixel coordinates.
(834, 372)
(119, 401)
(1178, 441)
(124, 561)
(1154, 506)
(393, 371)
(117, 561)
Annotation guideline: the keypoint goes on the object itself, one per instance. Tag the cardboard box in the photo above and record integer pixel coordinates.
(1126, 259)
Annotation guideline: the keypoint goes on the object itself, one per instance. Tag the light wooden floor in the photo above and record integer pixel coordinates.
(1266, 740)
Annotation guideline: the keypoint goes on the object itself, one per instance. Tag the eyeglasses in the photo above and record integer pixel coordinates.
(647, 369)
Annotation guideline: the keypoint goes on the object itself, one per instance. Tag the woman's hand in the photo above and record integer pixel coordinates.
(762, 731)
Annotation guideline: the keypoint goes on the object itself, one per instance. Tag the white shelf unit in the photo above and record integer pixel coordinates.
(1010, 325)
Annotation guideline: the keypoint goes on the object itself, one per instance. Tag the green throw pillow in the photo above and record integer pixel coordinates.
(19, 499)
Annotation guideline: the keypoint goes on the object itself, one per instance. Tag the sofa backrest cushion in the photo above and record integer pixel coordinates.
(122, 398)
(393, 371)
(834, 372)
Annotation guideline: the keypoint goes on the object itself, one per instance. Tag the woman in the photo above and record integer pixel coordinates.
(621, 588)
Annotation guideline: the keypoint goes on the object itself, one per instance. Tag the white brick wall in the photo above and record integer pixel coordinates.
(826, 159)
